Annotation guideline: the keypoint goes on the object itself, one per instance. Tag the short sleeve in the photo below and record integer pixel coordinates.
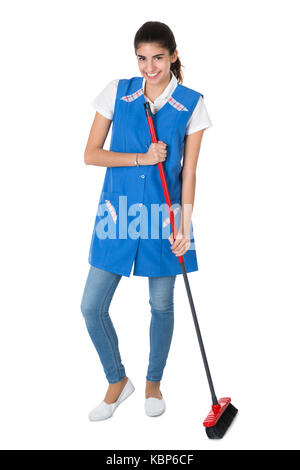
(104, 102)
(199, 119)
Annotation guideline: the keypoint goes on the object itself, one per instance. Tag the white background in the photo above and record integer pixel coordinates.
(244, 58)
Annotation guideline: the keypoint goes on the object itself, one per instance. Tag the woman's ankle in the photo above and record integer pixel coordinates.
(152, 390)
(114, 391)
(151, 384)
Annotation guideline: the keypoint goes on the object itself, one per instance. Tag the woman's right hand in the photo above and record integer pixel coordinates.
(157, 153)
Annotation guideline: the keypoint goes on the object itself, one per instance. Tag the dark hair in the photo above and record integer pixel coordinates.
(155, 31)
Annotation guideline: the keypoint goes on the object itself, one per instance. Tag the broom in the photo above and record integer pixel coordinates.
(222, 411)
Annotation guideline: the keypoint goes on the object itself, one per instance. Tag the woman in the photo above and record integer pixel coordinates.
(132, 179)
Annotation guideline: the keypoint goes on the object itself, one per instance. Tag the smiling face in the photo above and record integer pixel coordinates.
(154, 63)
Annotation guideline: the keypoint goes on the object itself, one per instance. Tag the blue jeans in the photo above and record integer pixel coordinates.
(98, 292)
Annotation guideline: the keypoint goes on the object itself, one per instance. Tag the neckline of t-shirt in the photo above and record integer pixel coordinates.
(167, 101)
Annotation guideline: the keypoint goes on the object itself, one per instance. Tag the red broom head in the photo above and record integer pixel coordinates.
(219, 418)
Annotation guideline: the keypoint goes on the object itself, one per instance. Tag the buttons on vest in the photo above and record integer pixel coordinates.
(142, 176)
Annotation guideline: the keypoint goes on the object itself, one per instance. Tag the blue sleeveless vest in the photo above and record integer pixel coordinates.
(132, 224)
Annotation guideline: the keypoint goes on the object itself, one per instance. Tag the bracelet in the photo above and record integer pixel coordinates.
(136, 160)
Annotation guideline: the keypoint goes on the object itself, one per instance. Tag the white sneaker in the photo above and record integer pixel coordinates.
(105, 410)
(155, 406)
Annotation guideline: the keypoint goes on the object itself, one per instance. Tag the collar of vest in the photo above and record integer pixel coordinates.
(181, 99)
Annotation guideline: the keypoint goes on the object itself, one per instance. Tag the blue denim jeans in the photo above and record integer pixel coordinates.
(98, 292)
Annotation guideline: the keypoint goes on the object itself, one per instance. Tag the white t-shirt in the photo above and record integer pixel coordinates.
(104, 103)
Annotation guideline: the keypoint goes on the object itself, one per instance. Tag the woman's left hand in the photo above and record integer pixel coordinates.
(181, 244)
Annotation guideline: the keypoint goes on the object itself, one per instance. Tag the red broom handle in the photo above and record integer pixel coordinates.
(162, 176)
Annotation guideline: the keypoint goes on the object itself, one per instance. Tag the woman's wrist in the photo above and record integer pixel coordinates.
(185, 231)
(136, 161)
(139, 159)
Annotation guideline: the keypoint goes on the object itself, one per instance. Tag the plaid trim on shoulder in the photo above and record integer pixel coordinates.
(176, 104)
(133, 96)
